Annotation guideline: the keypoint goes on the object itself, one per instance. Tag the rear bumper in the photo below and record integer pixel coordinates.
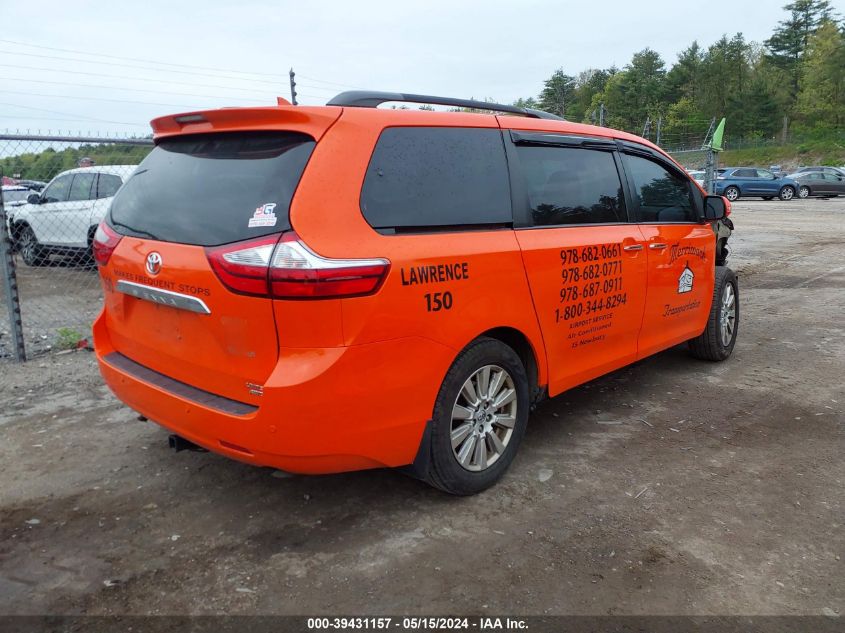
(322, 410)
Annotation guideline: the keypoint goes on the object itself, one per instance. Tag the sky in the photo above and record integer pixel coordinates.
(109, 67)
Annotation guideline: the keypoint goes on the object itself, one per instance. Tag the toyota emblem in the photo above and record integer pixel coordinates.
(153, 263)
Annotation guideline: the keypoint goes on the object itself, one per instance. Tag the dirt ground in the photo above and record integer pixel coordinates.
(673, 486)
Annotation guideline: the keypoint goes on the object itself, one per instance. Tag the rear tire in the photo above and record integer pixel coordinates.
(732, 193)
(474, 438)
(719, 337)
(786, 193)
(31, 251)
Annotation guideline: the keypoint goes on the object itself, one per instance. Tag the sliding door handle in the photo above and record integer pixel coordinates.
(633, 247)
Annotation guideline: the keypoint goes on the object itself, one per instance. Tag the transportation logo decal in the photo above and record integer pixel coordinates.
(153, 263)
(685, 280)
(265, 215)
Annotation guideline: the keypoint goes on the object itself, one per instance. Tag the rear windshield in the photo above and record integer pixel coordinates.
(213, 189)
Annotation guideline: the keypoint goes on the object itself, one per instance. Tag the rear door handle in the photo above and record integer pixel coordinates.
(633, 247)
(657, 246)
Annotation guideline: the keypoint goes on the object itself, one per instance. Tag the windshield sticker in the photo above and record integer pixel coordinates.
(265, 215)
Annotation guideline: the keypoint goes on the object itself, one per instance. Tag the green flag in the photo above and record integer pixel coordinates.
(716, 143)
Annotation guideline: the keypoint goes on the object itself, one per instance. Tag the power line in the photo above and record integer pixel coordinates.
(168, 105)
(216, 70)
(162, 92)
(136, 59)
(101, 75)
(78, 116)
(31, 94)
(162, 70)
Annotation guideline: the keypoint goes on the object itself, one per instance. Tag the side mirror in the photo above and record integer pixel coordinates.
(715, 208)
(34, 198)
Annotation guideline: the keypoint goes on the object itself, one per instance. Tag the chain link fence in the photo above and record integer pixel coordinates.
(56, 189)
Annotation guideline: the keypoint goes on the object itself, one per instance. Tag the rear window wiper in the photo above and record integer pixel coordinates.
(137, 232)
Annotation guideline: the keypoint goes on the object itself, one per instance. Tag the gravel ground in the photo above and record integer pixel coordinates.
(670, 487)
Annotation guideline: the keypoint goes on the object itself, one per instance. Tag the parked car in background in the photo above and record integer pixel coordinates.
(697, 175)
(15, 195)
(62, 218)
(35, 185)
(834, 171)
(734, 182)
(819, 183)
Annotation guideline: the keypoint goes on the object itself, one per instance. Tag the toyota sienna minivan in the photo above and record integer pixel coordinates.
(335, 288)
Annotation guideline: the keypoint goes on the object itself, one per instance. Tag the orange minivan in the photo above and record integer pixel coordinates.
(325, 289)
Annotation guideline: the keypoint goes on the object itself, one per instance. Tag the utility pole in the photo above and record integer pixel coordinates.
(659, 129)
(293, 87)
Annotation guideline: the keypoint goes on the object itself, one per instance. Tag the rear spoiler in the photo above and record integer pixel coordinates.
(313, 121)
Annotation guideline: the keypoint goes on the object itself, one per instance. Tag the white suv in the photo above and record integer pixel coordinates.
(62, 218)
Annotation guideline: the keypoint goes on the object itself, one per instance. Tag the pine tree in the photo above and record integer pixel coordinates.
(789, 42)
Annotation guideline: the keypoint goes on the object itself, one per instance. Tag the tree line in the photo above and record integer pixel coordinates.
(794, 81)
(45, 164)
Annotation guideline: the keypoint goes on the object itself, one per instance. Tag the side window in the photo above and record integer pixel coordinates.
(437, 177)
(58, 190)
(763, 173)
(745, 173)
(81, 187)
(107, 185)
(662, 195)
(569, 185)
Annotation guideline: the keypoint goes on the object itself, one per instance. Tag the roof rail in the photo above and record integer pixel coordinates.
(372, 99)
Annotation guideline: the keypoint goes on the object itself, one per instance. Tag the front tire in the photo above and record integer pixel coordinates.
(479, 418)
(803, 191)
(732, 193)
(786, 193)
(717, 341)
(31, 251)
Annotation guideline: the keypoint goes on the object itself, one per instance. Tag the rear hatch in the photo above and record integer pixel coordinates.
(166, 307)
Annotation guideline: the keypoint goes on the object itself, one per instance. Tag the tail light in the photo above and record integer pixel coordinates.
(727, 206)
(285, 268)
(104, 242)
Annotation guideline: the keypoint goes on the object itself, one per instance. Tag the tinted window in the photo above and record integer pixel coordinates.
(107, 185)
(662, 195)
(15, 195)
(210, 189)
(58, 189)
(432, 177)
(745, 173)
(81, 187)
(569, 185)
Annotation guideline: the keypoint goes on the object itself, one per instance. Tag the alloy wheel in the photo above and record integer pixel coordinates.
(727, 315)
(483, 418)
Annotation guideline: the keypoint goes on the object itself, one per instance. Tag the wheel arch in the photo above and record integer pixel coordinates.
(528, 354)
(16, 227)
